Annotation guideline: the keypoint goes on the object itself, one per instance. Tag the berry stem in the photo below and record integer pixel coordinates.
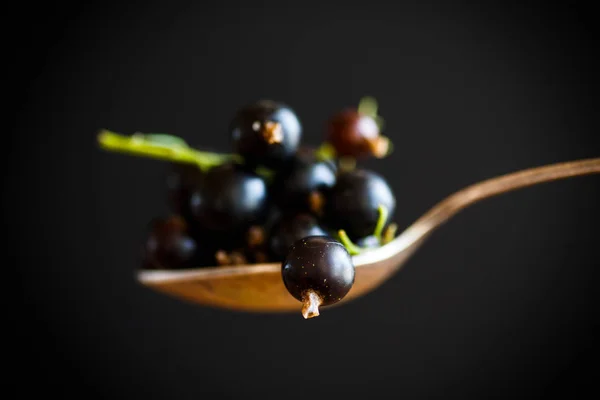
(368, 106)
(161, 147)
(382, 237)
(352, 248)
(265, 173)
(325, 152)
(310, 304)
(383, 215)
(389, 233)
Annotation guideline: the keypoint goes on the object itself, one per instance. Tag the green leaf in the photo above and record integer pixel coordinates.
(162, 139)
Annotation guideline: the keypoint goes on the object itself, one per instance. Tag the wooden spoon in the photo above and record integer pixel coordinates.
(259, 287)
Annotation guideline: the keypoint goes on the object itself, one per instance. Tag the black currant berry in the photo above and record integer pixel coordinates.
(312, 153)
(265, 133)
(353, 203)
(290, 229)
(301, 186)
(318, 271)
(356, 135)
(182, 180)
(230, 199)
(170, 245)
(273, 217)
(368, 242)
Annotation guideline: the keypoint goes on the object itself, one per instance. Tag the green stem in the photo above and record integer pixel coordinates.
(162, 147)
(325, 152)
(389, 233)
(368, 106)
(348, 244)
(266, 173)
(381, 220)
(354, 249)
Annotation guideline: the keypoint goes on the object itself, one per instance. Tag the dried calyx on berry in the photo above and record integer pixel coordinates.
(265, 133)
(302, 185)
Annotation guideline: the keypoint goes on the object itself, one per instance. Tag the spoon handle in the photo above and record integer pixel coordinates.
(454, 203)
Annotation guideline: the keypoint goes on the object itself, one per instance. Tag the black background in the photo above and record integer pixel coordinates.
(499, 303)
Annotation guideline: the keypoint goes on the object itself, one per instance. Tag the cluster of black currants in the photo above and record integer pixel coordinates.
(274, 199)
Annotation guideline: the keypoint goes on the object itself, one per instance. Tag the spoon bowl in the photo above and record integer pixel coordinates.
(259, 287)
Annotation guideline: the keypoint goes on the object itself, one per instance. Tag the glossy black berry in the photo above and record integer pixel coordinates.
(368, 242)
(230, 199)
(265, 133)
(290, 229)
(311, 153)
(170, 245)
(352, 204)
(182, 180)
(301, 186)
(318, 271)
(353, 134)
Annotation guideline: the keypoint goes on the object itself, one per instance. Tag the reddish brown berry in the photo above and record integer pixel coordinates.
(356, 135)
